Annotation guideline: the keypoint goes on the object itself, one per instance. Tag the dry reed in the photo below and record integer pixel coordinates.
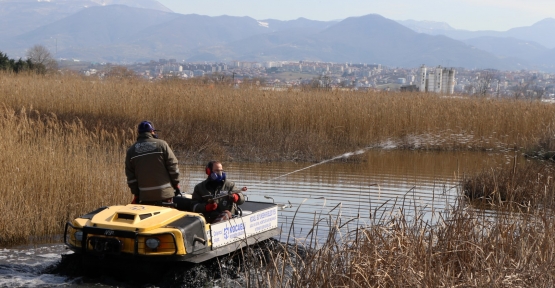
(206, 121)
(463, 248)
(523, 186)
(53, 171)
(545, 148)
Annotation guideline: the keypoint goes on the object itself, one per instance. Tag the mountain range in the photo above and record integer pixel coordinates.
(142, 30)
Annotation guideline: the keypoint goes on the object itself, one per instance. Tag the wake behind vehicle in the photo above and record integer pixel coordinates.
(159, 233)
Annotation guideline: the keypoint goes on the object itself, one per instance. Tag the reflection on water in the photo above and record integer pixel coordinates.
(384, 182)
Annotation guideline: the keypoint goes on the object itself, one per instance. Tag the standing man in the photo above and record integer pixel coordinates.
(216, 184)
(151, 168)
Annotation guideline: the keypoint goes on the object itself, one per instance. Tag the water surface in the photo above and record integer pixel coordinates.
(382, 181)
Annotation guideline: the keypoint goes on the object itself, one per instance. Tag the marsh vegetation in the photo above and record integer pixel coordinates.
(253, 125)
(63, 151)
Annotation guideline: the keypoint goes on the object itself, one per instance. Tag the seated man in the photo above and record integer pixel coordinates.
(215, 185)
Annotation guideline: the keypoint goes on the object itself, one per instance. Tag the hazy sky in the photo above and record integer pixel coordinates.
(498, 15)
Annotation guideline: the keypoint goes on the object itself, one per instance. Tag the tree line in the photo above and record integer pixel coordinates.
(39, 60)
(12, 65)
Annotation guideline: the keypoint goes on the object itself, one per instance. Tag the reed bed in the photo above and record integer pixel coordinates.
(207, 121)
(464, 248)
(53, 171)
(545, 148)
(523, 186)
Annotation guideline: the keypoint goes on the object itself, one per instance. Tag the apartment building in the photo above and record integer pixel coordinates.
(436, 80)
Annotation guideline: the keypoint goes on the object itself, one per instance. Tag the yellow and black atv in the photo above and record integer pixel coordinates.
(137, 231)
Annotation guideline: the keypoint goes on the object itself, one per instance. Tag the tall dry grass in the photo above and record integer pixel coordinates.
(522, 187)
(206, 121)
(53, 171)
(465, 248)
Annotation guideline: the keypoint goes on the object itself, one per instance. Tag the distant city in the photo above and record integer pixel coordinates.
(376, 77)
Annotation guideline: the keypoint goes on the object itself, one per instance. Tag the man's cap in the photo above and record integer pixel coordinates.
(146, 126)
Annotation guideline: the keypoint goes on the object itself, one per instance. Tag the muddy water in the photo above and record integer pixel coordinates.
(385, 181)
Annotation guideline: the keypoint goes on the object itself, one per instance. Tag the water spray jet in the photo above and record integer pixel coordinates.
(342, 156)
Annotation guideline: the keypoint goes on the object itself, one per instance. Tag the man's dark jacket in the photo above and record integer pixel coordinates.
(207, 190)
(151, 169)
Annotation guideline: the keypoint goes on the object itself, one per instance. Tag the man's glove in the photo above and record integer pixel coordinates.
(211, 207)
(234, 197)
(135, 200)
(177, 191)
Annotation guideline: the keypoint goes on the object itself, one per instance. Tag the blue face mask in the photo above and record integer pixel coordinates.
(217, 177)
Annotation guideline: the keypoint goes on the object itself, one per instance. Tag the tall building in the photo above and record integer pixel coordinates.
(421, 79)
(437, 80)
(448, 85)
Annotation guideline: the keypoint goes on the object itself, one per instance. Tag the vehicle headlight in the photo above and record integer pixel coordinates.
(152, 243)
(78, 236)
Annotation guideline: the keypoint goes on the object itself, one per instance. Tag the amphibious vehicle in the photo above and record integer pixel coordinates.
(159, 233)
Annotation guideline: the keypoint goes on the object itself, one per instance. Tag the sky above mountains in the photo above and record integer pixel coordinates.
(499, 15)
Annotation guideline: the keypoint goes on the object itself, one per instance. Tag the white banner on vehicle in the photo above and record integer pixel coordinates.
(240, 228)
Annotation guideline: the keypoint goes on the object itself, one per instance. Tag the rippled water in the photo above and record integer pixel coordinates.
(384, 182)
(22, 266)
